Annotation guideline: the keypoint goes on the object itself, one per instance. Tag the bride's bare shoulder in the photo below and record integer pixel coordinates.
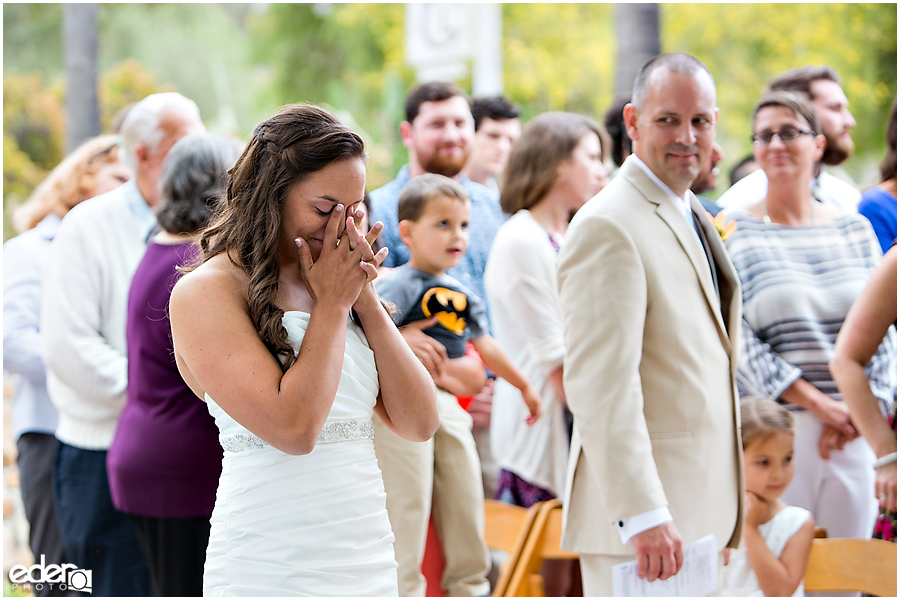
(216, 280)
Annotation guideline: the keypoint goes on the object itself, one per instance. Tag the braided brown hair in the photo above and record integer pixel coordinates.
(301, 139)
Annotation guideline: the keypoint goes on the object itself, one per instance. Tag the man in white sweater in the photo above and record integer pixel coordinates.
(88, 275)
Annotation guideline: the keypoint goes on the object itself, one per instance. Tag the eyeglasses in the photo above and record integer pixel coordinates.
(786, 134)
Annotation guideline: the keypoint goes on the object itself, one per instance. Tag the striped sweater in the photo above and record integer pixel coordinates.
(798, 284)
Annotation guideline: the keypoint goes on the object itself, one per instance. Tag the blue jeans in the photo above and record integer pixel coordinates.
(95, 535)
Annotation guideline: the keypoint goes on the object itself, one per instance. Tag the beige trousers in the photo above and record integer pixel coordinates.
(490, 470)
(440, 477)
(596, 573)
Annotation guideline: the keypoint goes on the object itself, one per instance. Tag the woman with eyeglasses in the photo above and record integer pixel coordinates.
(90, 170)
(801, 266)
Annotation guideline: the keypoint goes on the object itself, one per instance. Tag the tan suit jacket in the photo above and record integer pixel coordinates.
(651, 353)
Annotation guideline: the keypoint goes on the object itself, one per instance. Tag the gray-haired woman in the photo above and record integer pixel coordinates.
(165, 459)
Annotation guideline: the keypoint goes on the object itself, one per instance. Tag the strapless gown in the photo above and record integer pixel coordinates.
(311, 525)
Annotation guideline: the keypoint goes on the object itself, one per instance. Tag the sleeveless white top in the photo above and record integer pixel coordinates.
(740, 580)
(311, 525)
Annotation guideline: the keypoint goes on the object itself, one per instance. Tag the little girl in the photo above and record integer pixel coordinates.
(777, 538)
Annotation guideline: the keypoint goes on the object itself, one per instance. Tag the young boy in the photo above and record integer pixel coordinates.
(441, 478)
(433, 212)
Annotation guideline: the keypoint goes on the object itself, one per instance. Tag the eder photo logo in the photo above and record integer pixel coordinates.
(54, 577)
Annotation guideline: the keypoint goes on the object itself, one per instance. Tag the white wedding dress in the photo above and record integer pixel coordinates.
(311, 525)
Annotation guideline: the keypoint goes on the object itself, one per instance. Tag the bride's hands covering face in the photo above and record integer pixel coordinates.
(371, 261)
(346, 263)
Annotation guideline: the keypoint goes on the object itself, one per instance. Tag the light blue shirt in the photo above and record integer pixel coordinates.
(23, 265)
(485, 219)
(143, 214)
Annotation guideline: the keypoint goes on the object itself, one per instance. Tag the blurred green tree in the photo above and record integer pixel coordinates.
(122, 85)
(33, 129)
(347, 57)
(34, 125)
(34, 117)
(559, 57)
(32, 39)
(200, 50)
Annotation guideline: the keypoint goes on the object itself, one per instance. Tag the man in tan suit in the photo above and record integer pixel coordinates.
(651, 308)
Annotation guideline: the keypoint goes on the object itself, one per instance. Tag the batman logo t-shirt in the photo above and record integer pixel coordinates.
(419, 295)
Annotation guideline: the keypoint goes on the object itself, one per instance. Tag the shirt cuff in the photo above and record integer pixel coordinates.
(631, 526)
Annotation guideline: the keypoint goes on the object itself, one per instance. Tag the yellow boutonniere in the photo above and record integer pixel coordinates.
(725, 229)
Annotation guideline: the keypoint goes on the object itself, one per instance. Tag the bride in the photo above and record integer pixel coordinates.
(263, 331)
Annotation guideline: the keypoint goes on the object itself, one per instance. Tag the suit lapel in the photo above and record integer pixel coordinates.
(698, 225)
(727, 278)
(683, 231)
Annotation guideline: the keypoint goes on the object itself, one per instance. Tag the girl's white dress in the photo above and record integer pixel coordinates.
(311, 525)
(739, 578)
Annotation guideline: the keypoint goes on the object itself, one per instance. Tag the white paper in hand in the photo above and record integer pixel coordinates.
(699, 574)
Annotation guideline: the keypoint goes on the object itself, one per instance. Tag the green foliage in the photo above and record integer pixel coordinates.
(200, 50)
(34, 125)
(20, 177)
(124, 84)
(32, 33)
(346, 57)
(33, 115)
(560, 57)
(33, 121)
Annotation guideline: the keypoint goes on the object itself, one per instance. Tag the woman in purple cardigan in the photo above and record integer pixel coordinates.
(165, 459)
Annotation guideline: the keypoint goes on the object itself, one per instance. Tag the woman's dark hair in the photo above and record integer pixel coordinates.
(889, 164)
(378, 244)
(301, 139)
(193, 180)
(797, 104)
(547, 140)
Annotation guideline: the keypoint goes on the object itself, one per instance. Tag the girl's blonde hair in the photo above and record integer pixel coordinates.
(762, 418)
(68, 183)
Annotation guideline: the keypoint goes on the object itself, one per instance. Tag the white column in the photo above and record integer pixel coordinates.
(487, 65)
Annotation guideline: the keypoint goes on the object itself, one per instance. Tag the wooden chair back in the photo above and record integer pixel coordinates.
(851, 565)
(506, 528)
(542, 544)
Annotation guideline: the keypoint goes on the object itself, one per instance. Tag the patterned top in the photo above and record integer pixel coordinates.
(484, 221)
(798, 284)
